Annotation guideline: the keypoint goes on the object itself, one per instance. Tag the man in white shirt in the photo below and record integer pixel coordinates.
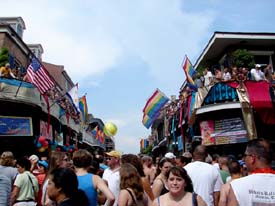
(256, 73)
(206, 179)
(111, 174)
(258, 187)
(208, 77)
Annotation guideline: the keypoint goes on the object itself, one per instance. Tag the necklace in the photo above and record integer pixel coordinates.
(264, 170)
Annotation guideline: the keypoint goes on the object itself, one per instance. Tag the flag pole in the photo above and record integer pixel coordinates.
(63, 96)
(18, 88)
(57, 100)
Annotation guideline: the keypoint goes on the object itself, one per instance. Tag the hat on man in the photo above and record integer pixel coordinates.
(187, 155)
(114, 153)
(258, 65)
(33, 158)
(43, 163)
(170, 155)
(241, 162)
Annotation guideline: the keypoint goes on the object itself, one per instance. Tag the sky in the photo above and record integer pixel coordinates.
(120, 51)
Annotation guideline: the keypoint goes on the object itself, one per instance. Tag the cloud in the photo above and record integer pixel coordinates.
(154, 34)
(130, 131)
(93, 43)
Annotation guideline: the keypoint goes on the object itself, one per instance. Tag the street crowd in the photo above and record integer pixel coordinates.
(192, 179)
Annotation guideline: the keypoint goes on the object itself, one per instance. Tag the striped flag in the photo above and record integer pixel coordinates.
(39, 76)
(155, 103)
(152, 108)
(189, 72)
(73, 97)
(83, 108)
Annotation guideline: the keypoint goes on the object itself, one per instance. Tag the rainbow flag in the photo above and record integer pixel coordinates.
(83, 108)
(152, 108)
(155, 103)
(147, 121)
(189, 72)
(143, 143)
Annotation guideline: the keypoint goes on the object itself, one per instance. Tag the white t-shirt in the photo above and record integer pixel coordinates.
(255, 189)
(226, 76)
(257, 75)
(113, 179)
(208, 78)
(206, 180)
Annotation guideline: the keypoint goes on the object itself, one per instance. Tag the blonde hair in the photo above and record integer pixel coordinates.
(7, 159)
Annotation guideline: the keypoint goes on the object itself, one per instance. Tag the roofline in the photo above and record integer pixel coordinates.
(232, 35)
(6, 28)
(15, 17)
(35, 45)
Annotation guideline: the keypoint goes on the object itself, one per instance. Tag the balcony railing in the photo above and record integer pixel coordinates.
(24, 92)
(219, 93)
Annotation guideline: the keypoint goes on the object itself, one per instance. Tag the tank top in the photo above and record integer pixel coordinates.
(135, 201)
(194, 199)
(255, 189)
(85, 183)
(164, 189)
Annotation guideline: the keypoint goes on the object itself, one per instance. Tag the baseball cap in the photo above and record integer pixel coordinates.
(33, 158)
(187, 155)
(258, 65)
(241, 162)
(114, 153)
(43, 163)
(170, 155)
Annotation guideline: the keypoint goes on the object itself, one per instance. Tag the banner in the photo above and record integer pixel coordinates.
(224, 131)
(15, 126)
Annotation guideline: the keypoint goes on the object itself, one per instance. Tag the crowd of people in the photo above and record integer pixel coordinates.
(238, 74)
(191, 179)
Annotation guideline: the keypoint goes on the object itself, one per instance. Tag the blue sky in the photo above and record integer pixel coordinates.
(120, 51)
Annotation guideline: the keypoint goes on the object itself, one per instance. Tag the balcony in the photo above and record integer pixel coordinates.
(24, 93)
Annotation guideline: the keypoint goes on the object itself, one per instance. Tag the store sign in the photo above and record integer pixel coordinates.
(224, 131)
(15, 126)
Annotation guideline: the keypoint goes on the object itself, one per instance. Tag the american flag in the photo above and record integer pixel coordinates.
(39, 77)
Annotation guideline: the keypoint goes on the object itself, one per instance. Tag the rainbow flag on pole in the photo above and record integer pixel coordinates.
(189, 72)
(152, 107)
(144, 143)
(147, 121)
(83, 108)
(155, 103)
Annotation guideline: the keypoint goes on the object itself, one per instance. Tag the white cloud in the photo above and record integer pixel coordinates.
(91, 84)
(130, 131)
(156, 31)
(91, 37)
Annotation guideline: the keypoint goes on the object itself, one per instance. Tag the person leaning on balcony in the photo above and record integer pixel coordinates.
(6, 72)
(218, 74)
(256, 73)
(226, 76)
(208, 77)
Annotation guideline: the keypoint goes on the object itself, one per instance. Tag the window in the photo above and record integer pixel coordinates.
(19, 30)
